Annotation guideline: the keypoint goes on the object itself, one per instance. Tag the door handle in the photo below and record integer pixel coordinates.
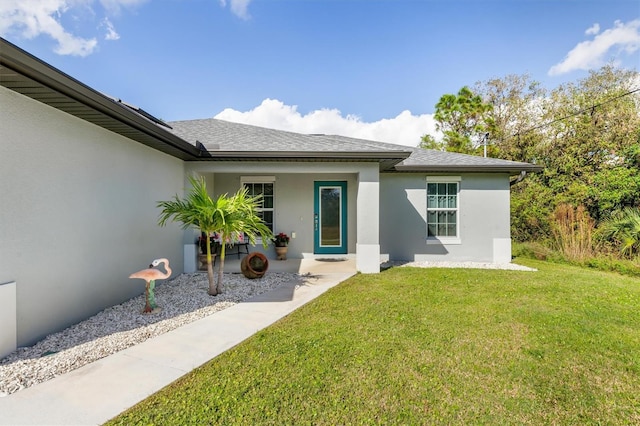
(315, 221)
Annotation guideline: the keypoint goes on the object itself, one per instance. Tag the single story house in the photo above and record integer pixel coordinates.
(81, 173)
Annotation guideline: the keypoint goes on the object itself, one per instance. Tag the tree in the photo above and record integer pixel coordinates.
(589, 143)
(464, 120)
(516, 103)
(228, 216)
(429, 142)
(585, 134)
(237, 215)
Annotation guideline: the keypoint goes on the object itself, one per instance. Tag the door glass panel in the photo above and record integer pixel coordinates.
(330, 226)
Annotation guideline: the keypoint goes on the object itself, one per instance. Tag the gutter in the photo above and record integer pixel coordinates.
(16, 59)
(513, 169)
(279, 155)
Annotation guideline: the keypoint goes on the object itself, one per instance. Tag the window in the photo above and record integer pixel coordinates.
(442, 207)
(262, 185)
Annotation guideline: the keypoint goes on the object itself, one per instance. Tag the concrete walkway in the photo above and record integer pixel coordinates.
(99, 391)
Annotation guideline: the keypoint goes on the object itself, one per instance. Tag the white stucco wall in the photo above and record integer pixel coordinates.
(484, 219)
(77, 214)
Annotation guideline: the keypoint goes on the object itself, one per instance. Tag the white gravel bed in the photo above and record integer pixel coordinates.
(182, 300)
(472, 265)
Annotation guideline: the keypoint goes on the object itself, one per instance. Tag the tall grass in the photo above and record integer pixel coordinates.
(573, 230)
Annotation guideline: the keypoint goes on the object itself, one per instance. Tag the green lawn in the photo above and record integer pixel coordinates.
(430, 346)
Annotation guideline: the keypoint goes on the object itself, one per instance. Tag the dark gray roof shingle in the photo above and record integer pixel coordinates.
(223, 138)
(220, 135)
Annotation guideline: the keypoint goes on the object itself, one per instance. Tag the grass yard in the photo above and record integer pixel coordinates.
(430, 346)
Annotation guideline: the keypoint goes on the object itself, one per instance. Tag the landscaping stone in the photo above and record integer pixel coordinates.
(183, 299)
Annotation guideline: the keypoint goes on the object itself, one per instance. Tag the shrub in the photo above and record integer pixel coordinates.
(623, 229)
(621, 266)
(533, 250)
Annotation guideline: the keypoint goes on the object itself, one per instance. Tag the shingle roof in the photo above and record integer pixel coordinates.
(439, 161)
(220, 135)
(223, 139)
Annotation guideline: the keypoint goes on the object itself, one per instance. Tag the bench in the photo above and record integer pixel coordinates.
(236, 247)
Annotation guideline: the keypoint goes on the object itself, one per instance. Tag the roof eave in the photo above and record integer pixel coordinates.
(511, 169)
(386, 159)
(344, 155)
(27, 65)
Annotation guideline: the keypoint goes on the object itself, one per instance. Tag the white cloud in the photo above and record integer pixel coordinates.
(594, 53)
(111, 32)
(593, 30)
(238, 7)
(32, 18)
(404, 129)
(114, 6)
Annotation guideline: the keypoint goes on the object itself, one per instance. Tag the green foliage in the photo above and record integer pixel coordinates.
(464, 119)
(623, 227)
(429, 142)
(610, 264)
(534, 250)
(234, 216)
(454, 346)
(585, 147)
(196, 210)
(586, 135)
(531, 206)
(515, 102)
(228, 216)
(599, 261)
(613, 188)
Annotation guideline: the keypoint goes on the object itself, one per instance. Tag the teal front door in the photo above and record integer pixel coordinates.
(330, 217)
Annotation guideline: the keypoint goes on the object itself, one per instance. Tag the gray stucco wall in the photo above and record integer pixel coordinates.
(484, 218)
(294, 193)
(294, 206)
(77, 214)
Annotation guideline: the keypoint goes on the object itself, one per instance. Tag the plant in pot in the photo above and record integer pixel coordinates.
(202, 243)
(281, 242)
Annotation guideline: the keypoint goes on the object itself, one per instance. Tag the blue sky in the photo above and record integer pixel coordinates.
(363, 68)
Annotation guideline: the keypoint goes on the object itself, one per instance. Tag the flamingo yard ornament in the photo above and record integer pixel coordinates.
(150, 276)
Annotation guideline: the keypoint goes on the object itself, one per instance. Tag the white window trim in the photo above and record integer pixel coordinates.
(445, 240)
(262, 179)
(257, 179)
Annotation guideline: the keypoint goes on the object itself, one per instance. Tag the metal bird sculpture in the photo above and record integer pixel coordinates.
(150, 276)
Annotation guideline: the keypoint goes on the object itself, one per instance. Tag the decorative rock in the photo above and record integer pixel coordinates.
(183, 299)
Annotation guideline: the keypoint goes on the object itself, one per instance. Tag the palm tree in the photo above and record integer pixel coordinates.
(624, 227)
(228, 216)
(235, 216)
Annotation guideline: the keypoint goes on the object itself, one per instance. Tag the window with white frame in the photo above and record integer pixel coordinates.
(262, 186)
(443, 218)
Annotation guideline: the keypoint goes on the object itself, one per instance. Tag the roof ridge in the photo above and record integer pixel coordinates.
(367, 142)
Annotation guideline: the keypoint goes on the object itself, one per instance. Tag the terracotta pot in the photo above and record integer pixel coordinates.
(281, 252)
(202, 261)
(254, 265)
